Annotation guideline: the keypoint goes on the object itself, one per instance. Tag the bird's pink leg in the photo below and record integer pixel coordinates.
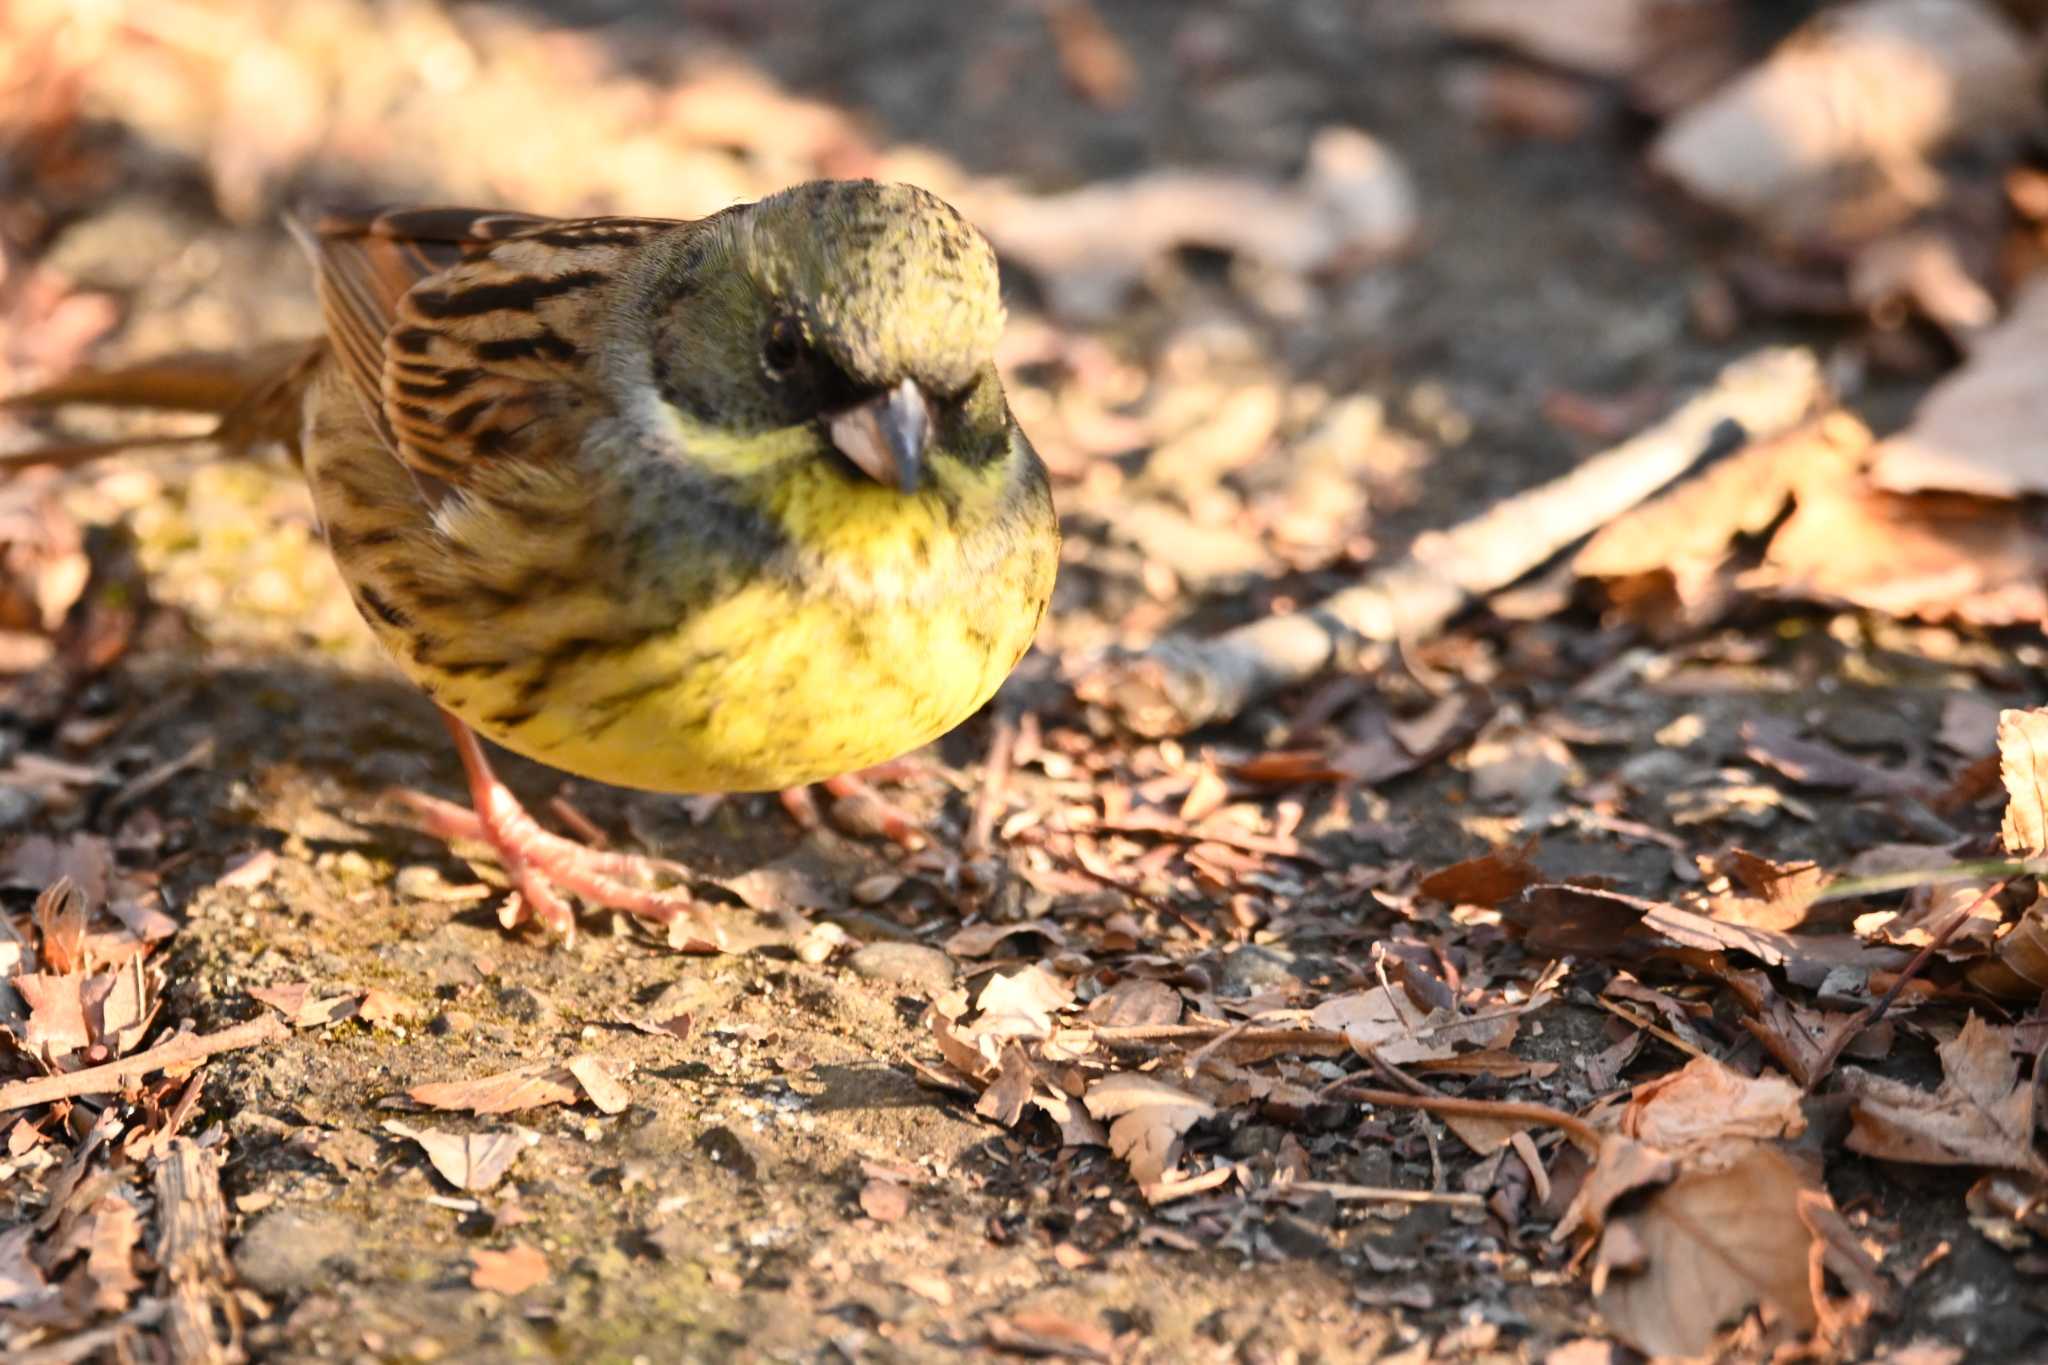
(542, 865)
(870, 811)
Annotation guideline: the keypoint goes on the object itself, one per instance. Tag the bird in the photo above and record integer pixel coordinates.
(732, 504)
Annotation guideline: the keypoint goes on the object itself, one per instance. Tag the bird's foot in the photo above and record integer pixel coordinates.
(859, 807)
(542, 866)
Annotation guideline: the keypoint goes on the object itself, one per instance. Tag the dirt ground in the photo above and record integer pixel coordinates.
(723, 1214)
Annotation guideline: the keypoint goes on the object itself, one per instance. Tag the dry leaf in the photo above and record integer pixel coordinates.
(528, 1087)
(1007, 1094)
(1386, 1023)
(1622, 1169)
(2020, 972)
(1486, 880)
(1778, 895)
(1806, 1042)
(979, 940)
(1984, 428)
(1774, 742)
(43, 565)
(1702, 1250)
(1982, 1114)
(676, 1026)
(296, 1003)
(600, 1080)
(1135, 1001)
(1077, 1127)
(1483, 1134)
(119, 1006)
(56, 1021)
(2023, 767)
(1843, 1252)
(1705, 1104)
(1830, 137)
(1560, 921)
(885, 1201)
(1020, 1005)
(1934, 556)
(60, 914)
(22, 1284)
(512, 1271)
(1148, 1117)
(468, 1161)
(246, 871)
(1668, 562)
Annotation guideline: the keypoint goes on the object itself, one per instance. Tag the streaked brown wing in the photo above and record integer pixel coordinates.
(460, 327)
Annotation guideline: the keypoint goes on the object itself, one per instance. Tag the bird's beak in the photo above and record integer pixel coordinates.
(886, 436)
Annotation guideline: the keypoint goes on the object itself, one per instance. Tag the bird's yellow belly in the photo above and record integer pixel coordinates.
(761, 691)
(897, 620)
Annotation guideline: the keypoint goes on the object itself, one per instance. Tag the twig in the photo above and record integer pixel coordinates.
(1577, 1129)
(1181, 683)
(1298, 1039)
(1383, 1194)
(1852, 1028)
(117, 1076)
(581, 825)
(142, 784)
(1655, 1030)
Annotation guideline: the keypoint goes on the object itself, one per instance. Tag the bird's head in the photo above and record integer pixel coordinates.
(866, 313)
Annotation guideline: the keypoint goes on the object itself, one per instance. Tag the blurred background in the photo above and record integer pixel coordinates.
(1288, 281)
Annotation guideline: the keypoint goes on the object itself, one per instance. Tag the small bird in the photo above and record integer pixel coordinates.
(726, 505)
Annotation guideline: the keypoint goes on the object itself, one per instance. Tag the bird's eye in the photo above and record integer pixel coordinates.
(783, 349)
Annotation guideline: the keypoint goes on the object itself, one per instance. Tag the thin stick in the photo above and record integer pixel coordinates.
(1653, 1029)
(1572, 1126)
(1298, 1039)
(1383, 1194)
(1854, 1027)
(1182, 683)
(117, 1076)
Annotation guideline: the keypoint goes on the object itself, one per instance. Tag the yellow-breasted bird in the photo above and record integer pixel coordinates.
(726, 505)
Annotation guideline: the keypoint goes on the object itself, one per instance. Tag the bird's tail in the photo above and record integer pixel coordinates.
(259, 398)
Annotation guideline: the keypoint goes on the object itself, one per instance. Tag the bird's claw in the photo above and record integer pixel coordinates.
(542, 866)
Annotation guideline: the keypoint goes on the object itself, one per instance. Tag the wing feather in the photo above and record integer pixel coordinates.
(463, 329)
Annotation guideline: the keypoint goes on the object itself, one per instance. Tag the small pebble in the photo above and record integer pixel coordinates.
(905, 964)
(450, 1023)
(820, 941)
